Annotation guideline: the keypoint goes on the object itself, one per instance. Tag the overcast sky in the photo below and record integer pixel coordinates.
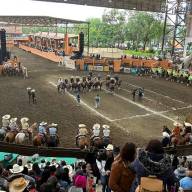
(63, 10)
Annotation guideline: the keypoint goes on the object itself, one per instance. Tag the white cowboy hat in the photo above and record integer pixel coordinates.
(82, 125)
(16, 169)
(29, 88)
(33, 90)
(13, 119)
(7, 117)
(177, 124)
(186, 124)
(109, 147)
(165, 134)
(96, 126)
(24, 119)
(29, 166)
(106, 126)
(53, 124)
(18, 185)
(43, 123)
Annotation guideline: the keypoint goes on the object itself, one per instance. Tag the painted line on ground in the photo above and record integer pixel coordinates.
(179, 108)
(85, 104)
(142, 107)
(132, 117)
(157, 93)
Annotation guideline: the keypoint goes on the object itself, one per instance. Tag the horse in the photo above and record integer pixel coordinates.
(118, 84)
(22, 136)
(97, 142)
(10, 136)
(189, 118)
(179, 140)
(97, 85)
(83, 141)
(52, 141)
(106, 141)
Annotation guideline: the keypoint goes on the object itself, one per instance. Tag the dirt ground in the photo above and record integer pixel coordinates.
(164, 102)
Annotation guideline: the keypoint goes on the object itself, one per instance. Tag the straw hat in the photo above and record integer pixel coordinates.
(82, 125)
(53, 124)
(16, 169)
(43, 123)
(96, 126)
(177, 124)
(6, 117)
(186, 124)
(29, 88)
(109, 147)
(106, 126)
(13, 120)
(18, 185)
(24, 119)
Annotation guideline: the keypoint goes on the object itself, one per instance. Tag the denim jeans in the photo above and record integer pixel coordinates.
(104, 183)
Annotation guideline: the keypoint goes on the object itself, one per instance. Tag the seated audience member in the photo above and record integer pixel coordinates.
(3, 181)
(186, 182)
(153, 161)
(122, 174)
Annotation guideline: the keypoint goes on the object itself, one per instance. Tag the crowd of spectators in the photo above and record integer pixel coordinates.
(111, 169)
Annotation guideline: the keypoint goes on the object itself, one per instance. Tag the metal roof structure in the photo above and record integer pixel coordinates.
(139, 5)
(36, 20)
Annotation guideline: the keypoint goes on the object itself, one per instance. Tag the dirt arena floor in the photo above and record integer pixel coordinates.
(139, 121)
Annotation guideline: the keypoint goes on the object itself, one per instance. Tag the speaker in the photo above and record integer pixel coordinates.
(3, 43)
(81, 42)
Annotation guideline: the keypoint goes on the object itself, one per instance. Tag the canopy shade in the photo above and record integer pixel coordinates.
(36, 20)
(139, 5)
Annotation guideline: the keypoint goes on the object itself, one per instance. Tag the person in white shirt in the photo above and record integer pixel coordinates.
(106, 135)
(96, 130)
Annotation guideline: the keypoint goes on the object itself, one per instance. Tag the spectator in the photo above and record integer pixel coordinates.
(180, 172)
(153, 161)
(3, 181)
(18, 184)
(186, 182)
(122, 174)
(104, 163)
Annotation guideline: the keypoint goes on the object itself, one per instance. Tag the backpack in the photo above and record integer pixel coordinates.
(150, 184)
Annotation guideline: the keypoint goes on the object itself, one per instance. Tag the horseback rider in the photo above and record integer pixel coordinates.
(106, 134)
(177, 129)
(96, 131)
(42, 131)
(141, 92)
(13, 125)
(116, 78)
(6, 121)
(82, 131)
(25, 127)
(59, 83)
(53, 133)
(187, 129)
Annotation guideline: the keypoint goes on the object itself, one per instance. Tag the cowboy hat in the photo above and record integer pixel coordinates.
(106, 126)
(33, 90)
(109, 147)
(24, 119)
(96, 126)
(16, 169)
(18, 185)
(82, 125)
(29, 166)
(7, 117)
(29, 88)
(13, 120)
(177, 124)
(43, 123)
(53, 124)
(186, 124)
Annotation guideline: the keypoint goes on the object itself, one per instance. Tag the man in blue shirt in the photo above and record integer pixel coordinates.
(53, 134)
(42, 130)
(186, 182)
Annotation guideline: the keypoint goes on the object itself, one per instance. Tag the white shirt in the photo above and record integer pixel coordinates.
(96, 132)
(5, 122)
(101, 166)
(25, 125)
(106, 132)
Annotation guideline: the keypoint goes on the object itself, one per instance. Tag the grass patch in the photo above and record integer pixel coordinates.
(138, 53)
